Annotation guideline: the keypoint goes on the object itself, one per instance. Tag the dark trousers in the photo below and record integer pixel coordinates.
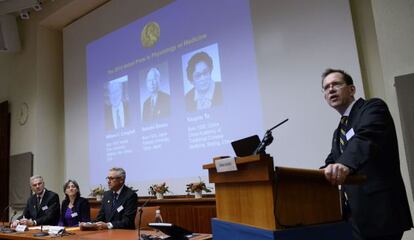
(357, 236)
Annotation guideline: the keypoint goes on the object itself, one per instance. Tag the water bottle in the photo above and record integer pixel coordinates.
(158, 217)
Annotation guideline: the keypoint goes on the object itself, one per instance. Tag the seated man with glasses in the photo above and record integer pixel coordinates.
(119, 204)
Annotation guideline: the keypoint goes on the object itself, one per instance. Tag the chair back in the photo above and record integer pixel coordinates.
(94, 213)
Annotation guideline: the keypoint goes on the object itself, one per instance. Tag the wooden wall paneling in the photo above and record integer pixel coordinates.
(184, 211)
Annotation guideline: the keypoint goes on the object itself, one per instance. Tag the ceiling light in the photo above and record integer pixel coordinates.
(24, 14)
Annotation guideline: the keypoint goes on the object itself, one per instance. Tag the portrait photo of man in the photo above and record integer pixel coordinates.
(116, 109)
(205, 91)
(157, 104)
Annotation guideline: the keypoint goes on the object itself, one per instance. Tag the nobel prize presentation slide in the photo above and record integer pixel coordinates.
(205, 92)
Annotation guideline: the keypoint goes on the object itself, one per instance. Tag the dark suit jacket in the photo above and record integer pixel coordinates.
(380, 205)
(81, 207)
(48, 213)
(109, 121)
(162, 107)
(123, 218)
(192, 105)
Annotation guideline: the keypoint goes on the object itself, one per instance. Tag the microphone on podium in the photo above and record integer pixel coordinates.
(267, 139)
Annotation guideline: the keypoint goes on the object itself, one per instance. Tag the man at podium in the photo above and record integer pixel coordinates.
(365, 143)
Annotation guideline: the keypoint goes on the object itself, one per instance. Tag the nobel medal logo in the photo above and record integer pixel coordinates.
(150, 34)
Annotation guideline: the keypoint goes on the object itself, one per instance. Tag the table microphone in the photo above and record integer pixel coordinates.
(140, 216)
(9, 230)
(41, 233)
(3, 213)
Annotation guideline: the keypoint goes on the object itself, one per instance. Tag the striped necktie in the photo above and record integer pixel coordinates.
(114, 201)
(38, 202)
(342, 133)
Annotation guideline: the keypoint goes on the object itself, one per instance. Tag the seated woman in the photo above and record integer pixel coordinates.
(75, 208)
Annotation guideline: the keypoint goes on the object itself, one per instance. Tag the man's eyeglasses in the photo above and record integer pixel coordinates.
(112, 178)
(334, 85)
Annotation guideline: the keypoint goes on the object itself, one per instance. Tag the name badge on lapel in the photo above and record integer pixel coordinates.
(350, 134)
(75, 214)
(44, 208)
(120, 208)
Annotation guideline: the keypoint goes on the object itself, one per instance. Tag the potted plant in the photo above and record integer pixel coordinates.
(197, 188)
(158, 190)
(98, 192)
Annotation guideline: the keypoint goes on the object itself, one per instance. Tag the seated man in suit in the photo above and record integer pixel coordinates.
(42, 207)
(157, 104)
(206, 92)
(119, 204)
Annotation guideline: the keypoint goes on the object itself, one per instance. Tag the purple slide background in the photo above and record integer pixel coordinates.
(225, 23)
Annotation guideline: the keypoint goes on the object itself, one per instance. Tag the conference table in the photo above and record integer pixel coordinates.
(76, 233)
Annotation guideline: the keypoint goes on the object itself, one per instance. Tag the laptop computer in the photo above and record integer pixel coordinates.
(245, 146)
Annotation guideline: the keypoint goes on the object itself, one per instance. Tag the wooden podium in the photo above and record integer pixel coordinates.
(259, 195)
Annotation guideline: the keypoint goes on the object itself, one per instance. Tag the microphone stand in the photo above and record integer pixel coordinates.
(267, 139)
(41, 233)
(9, 230)
(140, 216)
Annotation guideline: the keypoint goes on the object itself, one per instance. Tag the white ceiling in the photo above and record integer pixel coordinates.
(56, 13)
